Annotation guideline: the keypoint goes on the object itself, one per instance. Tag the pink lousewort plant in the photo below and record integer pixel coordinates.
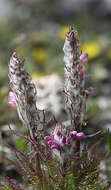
(23, 93)
(74, 85)
(24, 96)
(58, 149)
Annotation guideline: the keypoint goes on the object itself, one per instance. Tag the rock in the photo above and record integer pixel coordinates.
(104, 103)
(50, 95)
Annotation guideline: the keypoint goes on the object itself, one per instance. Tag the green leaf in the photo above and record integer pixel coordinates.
(21, 144)
(109, 140)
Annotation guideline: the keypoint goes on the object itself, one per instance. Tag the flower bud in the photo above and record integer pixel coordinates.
(73, 133)
(68, 142)
(83, 57)
(56, 146)
(63, 139)
(79, 136)
(58, 132)
(52, 133)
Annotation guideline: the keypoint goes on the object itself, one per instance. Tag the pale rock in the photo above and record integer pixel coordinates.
(50, 95)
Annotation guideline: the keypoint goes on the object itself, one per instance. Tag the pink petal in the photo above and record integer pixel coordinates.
(83, 55)
(73, 133)
(58, 132)
(47, 138)
(56, 146)
(50, 142)
(63, 139)
(68, 142)
(12, 99)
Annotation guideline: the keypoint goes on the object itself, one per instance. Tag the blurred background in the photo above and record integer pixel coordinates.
(36, 30)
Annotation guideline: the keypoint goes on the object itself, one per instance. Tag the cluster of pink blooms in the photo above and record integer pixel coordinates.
(57, 143)
(52, 143)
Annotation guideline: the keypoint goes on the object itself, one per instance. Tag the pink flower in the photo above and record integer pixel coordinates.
(56, 146)
(58, 132)
(90, 89)
(68, 142)
(63, 139)
(79, 68)
(83, 57)
(52, 133)
(48, 138)
(12, 99)
(79, 136)
(53, 142)
(73, 133)
(50, 142)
